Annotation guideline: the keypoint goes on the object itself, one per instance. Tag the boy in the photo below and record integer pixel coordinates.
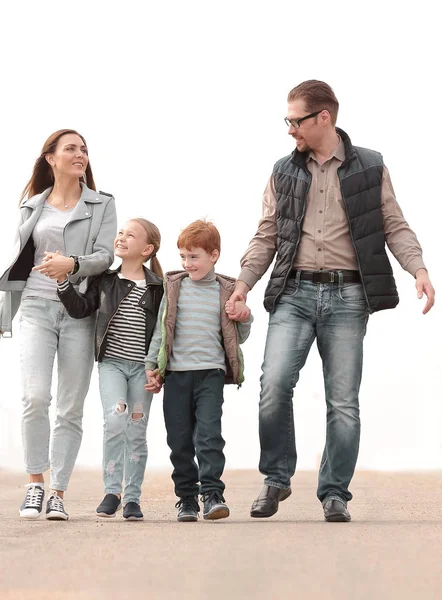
(195, 350)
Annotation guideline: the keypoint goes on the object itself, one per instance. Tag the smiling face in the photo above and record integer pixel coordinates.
(197, 262)
(70, 158)
(310, 134)
(131, 242)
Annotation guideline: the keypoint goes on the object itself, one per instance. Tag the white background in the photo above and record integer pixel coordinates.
(182, 107)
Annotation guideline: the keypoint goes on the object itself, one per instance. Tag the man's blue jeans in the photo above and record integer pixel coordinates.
(336, 315)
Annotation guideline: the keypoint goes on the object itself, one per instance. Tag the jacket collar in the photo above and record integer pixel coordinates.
(87, 195)
(300, 158)
(224, 280)
(149, 276)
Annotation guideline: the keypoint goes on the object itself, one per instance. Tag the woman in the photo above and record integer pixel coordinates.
(66, 227)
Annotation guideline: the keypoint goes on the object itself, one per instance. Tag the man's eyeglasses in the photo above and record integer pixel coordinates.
(297, 122)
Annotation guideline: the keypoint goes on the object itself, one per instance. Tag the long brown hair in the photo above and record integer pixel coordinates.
(43, 176)
(154, 238)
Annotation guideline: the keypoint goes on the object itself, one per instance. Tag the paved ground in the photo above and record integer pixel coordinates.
(391, 550)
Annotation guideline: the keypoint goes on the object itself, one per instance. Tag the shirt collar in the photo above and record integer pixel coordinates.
(338, 152)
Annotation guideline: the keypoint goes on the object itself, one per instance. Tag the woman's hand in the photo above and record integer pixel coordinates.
(55, 265)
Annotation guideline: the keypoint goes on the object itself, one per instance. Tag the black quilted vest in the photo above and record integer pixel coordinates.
(360, 177)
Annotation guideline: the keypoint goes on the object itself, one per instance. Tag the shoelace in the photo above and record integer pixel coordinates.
(34, 497)
(187, 502)
(55, 503)
(213, 495)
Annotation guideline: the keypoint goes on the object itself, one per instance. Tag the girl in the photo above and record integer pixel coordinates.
(66, 228)
(127, 301)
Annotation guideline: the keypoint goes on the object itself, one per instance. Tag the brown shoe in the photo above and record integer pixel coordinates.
(335, 511)
(268, 501)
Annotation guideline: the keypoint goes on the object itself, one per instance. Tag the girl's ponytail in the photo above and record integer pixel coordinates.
(156, 267)
(154, 238)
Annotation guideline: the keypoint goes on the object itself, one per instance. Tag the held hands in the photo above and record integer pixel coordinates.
(236, 308)
(154, 381)
(55, 266)
(423, 286)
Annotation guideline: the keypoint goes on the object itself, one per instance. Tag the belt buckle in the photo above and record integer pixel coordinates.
(332, 276)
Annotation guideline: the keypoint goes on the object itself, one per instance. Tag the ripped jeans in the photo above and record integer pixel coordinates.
(126, 407)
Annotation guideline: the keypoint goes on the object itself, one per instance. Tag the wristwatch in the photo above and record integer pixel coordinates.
(76, 264)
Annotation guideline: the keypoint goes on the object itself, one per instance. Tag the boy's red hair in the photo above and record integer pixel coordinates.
(200, 234)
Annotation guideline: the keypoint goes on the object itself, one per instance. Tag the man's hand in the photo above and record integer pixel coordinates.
(154, 381)
(235, 305)
(55, 265)
(423, 286)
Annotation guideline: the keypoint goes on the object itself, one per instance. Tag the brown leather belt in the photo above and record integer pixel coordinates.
(329, 276)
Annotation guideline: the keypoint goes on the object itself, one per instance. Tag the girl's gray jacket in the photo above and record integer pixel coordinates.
(89, 235)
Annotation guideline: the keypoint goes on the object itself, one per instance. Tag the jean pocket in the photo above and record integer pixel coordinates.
(291, 289)
(352, 293)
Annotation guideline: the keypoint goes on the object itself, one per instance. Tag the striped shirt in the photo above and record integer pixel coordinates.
(197, 342)
(126, 335)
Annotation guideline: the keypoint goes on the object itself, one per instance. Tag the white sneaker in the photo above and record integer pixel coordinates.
(55, 509)
(33, 502)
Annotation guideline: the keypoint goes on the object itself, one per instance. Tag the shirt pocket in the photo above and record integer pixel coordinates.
(334, 205)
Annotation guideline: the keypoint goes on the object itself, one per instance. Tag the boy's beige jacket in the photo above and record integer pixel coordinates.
(234, 357)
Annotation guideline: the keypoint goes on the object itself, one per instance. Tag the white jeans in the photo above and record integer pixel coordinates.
(46, 330)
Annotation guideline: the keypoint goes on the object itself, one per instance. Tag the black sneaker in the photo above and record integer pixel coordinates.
(55, 508)
(188, 508)
(33, 502)
(109, 506)
(214, 506)
(132, 512)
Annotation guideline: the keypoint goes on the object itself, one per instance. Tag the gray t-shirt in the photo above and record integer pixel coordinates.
(47, 236)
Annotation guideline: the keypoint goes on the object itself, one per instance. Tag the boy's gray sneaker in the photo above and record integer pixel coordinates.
(33, 503)
(214, 506)
(188, 508)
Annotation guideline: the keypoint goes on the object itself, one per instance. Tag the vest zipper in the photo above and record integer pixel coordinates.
(353, 242)
(297, 244)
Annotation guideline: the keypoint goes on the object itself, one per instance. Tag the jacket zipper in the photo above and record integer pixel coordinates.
(115, 312)
(20, 250)
(77, 221)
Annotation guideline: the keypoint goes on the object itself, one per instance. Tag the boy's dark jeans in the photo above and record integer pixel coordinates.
(192, 412)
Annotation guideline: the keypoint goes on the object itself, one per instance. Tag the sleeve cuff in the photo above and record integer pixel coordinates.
(414, 265)
(249, 277)
(63, 286)
(249, 320)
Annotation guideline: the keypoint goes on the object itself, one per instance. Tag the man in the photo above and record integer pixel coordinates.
(328, 210)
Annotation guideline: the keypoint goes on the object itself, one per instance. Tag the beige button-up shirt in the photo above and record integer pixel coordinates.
(325, 242)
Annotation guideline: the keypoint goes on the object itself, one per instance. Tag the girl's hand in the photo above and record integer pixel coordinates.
(55, 265)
